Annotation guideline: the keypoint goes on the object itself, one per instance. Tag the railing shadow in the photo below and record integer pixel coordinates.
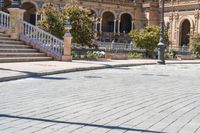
(34, 74)
(78, 123)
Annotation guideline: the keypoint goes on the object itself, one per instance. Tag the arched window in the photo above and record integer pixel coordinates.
(126, 23)
(108, 22)
(185, 33)
(30, 14)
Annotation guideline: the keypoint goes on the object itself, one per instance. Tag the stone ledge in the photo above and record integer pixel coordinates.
(116, 56)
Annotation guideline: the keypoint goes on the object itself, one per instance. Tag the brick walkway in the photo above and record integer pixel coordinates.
(148, 99)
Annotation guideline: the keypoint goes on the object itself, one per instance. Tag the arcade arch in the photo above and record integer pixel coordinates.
(30, 15)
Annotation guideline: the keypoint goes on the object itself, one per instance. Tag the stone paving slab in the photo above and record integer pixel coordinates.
(140, 99)
(13, 71)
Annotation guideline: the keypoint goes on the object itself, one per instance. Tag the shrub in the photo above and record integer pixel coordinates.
(54, 22)
(168, 55)
(81, 25)
(148, 38)
(91, 55)
(88, 55)
(196, 46)
(173, 53)
(75, 55)
(135, 55)
(95, 54)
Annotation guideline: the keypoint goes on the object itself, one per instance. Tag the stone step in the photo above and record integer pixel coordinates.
(12, 50)
(24, 59)
(6, 38)
(11, 42)
(14, 46)
(4, 35)
(17, 50)
(22, 54)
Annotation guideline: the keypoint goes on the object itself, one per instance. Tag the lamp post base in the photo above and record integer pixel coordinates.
(161, 62)
(161, 52)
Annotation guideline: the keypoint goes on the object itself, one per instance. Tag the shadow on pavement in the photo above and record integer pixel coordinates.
(35, 74)
(79, 123)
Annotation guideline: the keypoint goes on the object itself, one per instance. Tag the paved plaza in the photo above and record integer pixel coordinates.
(140, 99)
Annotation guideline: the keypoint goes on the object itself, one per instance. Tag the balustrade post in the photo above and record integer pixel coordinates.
(67, 43)
(16, 18)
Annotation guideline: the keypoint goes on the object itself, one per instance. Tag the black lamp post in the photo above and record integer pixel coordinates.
(161, 44)
(16, 4)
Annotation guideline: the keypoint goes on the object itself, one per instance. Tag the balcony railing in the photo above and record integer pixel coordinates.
(4, 20)
(42, 38)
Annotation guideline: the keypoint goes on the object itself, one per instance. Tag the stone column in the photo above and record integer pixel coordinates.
(36, 18)
(67, 47)
(100, 24)
(96, 25)
(170, 29)
(16, 18)
(176, 30)
(114, 31)
(196, 26)
(132, 25)
(119, 26)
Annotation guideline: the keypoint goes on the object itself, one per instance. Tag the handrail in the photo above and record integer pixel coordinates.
(4, 20)
(42, 38)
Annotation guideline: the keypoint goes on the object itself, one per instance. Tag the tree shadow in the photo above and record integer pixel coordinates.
(79, 123)
(35, 74)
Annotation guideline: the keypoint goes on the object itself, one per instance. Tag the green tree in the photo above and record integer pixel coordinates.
(148, 38)
(195, 42)
(81, 25)
(52, 21)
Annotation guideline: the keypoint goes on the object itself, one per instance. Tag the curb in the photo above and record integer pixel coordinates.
(69, 71)
(4, 79)
(185, 62)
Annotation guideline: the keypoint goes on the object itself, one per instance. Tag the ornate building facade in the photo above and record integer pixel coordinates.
(114, 19)
(182, 19)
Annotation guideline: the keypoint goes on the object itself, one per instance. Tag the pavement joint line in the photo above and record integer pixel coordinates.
(24, 76)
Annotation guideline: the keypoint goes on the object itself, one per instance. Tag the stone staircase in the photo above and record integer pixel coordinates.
(17, 51)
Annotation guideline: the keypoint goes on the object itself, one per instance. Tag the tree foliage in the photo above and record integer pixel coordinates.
(148, 38)
(53, 21)
(81, 25)
(196, 45)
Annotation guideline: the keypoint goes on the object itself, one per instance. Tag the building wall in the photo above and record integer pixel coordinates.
(176, 13)
(117, 7)
(140, 14)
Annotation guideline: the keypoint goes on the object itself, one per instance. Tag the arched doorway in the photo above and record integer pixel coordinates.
(30, 14)
(185, 33)
(108, 22)
(126, 23)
